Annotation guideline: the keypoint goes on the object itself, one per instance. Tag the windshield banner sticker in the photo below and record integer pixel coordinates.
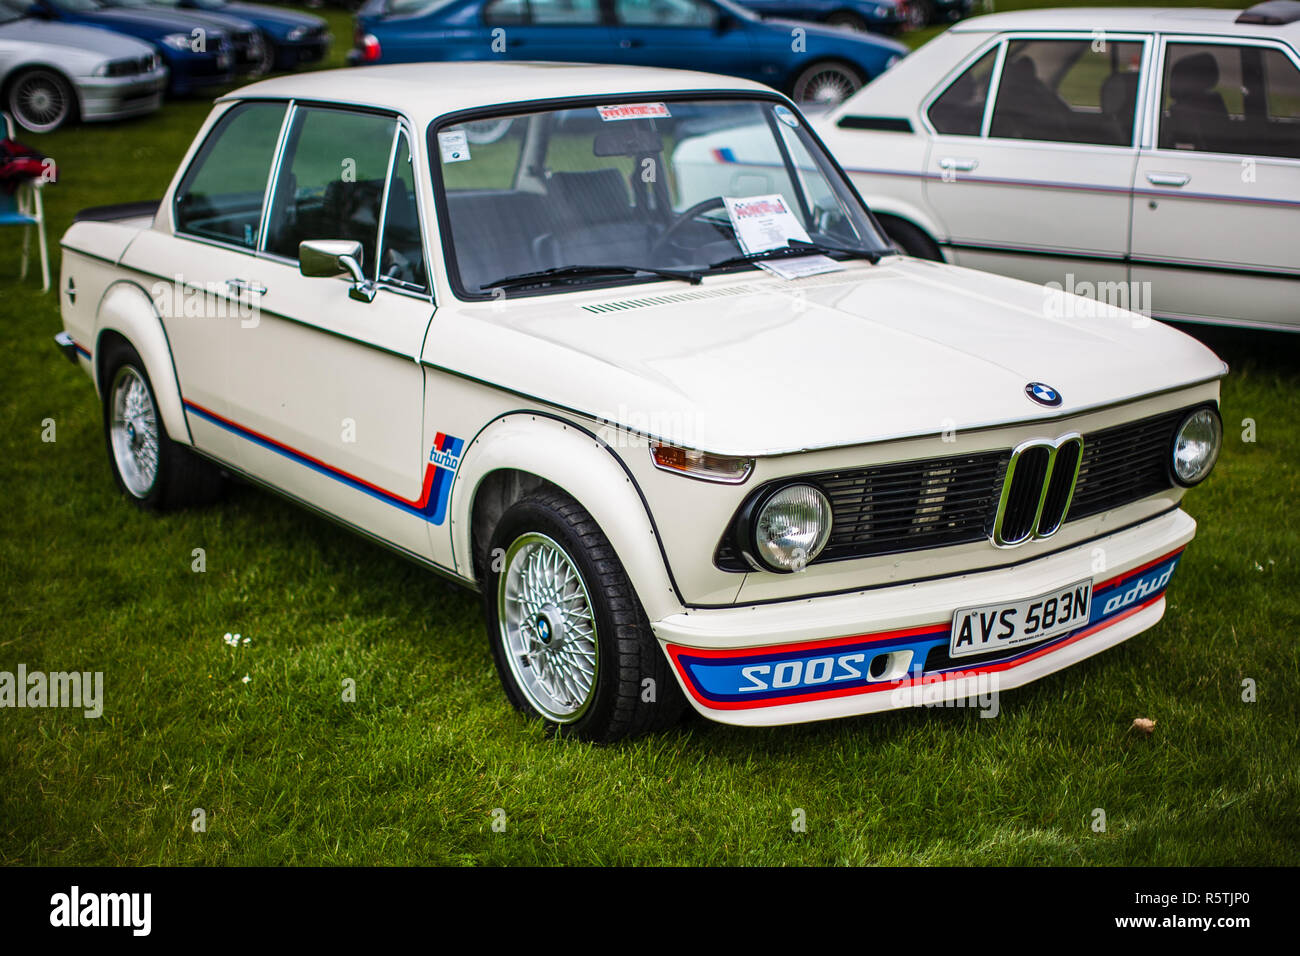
(763, 222)
(454, 144)
(633, 111)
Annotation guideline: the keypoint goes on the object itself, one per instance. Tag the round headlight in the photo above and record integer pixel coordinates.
(1196, 446)
(792, 527)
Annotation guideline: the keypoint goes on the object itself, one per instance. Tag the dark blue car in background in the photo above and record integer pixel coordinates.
(815, 65)
(215, 55)
(289, 38)
(878, 16)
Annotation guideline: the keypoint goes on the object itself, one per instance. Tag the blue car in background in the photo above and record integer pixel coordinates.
(877, 16)
(289, 38)
(215, 55)
(815, 65)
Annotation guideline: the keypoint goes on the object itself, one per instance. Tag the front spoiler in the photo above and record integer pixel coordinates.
(802, 671)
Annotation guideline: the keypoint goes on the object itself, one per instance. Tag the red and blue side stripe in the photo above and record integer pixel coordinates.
(435, 491)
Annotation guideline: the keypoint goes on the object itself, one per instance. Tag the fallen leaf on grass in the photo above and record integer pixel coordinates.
(1144, 724)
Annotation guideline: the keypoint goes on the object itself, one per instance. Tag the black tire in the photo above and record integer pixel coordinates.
(823, 77)
(270, 56)
(179, 477)
(626, 653)
(910, 240)
(41, 100)
(847, 19)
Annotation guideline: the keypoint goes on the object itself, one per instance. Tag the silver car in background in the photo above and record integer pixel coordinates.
(51, 73)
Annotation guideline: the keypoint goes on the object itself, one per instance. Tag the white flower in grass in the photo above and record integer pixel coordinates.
(247, 678)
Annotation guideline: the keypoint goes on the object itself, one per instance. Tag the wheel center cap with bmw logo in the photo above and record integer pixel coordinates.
(1043, 394)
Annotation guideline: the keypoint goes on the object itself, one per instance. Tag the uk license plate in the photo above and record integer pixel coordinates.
(992, 627)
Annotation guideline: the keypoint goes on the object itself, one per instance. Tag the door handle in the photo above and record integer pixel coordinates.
(627, 43)
(961, 165)
(244, 285)
(1168, 179)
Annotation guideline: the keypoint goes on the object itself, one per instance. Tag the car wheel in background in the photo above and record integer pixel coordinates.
(826, 84)
(569, 637)
(155, 472)
(41, 100)
(908, 239)
(847, 19)
(483, 132)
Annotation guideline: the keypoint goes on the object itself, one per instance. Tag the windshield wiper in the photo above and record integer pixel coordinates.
(797, 247)
(560, 273)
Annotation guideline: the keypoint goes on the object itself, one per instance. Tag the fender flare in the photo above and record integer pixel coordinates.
(126, 309)
(589, 470)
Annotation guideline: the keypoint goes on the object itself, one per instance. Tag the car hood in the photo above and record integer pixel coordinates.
(751, 366)
(84, 39)
(847, 38)
(270, 16)
(145, 20)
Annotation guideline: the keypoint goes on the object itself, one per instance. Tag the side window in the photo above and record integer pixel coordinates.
(401, 250)
(222, 192)
(505, 13)
(959, 110)
(1068, 91)
(664, 13)
(331, 181)
(1218, 98)
(565, 12)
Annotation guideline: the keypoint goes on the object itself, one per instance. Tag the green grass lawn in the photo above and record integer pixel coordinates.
(410, 773)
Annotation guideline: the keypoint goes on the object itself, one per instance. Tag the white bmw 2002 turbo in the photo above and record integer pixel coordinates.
(1154, 151)
(725, 448)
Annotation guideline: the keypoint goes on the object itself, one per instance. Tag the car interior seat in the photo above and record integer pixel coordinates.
(1197, 117)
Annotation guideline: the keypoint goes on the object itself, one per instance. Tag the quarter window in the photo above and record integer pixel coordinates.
(959, 110)
(331, 181)
(1068, 91)
(1219, 98)
(401, 257)
(221, 195)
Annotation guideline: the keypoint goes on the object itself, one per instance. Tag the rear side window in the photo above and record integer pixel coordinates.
(959, 110)
(331, 182)
(221, 195)
(1218, 98)
(1068, 91)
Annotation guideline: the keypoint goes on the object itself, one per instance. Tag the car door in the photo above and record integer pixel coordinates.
(327, 389)
(201, 274)
(683, 34)
(1217, 215)
(556, 30)
(1041, 188)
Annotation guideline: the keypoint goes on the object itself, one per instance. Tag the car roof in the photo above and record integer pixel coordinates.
(424, 91)
(1128, 19)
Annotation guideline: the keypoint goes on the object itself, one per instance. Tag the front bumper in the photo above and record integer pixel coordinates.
(768, 664)
(111, 98)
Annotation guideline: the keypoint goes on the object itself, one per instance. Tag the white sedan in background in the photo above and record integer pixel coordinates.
(725, 448)
(1154, 152)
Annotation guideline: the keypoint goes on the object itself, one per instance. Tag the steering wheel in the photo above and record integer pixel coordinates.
(684, 218)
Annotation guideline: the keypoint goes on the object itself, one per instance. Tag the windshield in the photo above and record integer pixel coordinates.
(680, 186)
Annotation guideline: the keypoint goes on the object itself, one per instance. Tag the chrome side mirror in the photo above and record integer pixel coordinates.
(330, 258)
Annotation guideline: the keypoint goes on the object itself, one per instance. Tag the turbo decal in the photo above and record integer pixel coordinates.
(435, 490)
(869, 663)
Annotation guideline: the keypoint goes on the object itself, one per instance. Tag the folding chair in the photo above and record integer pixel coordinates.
(25, 209)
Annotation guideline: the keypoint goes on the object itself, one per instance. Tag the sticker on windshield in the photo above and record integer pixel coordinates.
(633, 111)
(786, 116)
(763, 222)
(454, 144)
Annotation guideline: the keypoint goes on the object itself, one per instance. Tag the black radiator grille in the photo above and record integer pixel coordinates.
(938, 502)
(1124, 464)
